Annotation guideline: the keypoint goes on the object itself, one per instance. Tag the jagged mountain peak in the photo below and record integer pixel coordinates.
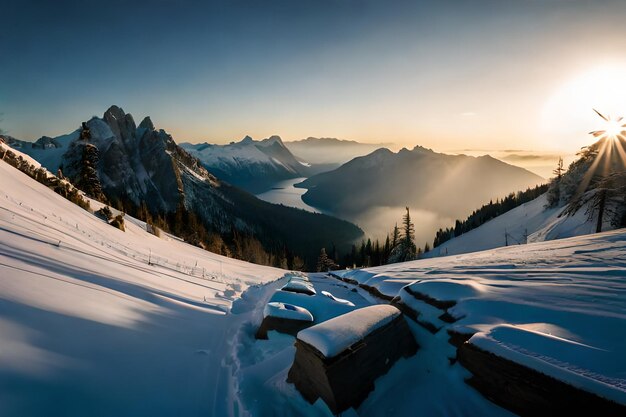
(273, 139)
(251, 164)
(115, 112)
(422, 149)
(122, 124)
(146, 123)
(246, 140)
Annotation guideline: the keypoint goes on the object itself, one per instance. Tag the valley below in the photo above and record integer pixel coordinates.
(376, 222)
(286, 193)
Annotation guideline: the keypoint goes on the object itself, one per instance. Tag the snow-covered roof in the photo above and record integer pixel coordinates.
(336, 335)
(286, 311)
(296, 285)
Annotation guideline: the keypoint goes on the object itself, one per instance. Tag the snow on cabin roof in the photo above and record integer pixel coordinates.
(287, 311)
(336, 335)
(299, 286)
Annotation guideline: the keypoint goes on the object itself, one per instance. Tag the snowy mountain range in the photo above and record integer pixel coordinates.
(142, 164)
(250, 164)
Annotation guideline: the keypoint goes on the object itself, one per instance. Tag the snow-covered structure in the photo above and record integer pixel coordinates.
(283, 318)
(299, 286)
(339, 360)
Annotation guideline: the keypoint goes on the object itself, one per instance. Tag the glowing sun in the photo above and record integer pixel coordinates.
(567, 117)
(613, 128)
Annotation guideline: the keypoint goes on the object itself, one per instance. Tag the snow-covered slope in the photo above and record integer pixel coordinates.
(530, 222)
(46, 150)
(100, 322)
(250, 164)
(558, 307)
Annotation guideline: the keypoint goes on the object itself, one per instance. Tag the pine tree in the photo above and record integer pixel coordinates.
(84, 172)
(106, 213)
(554, 192)
(322, 261)
(353, 255)
(408, 238)
(395, 239)
(386, 251)
(179, 219)
(558, 171)
(362, 254)
(376, 256)
(405, 249)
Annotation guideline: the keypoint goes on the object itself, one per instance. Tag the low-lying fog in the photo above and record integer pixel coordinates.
(376, 222)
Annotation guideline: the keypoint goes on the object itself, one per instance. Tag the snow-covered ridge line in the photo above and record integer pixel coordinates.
(250, 164)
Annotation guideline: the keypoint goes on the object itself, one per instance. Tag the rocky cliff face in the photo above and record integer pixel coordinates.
(133, 163)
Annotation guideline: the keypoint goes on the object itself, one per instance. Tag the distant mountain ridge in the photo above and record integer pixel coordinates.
(145, 165)
(450, 185)
(331, 152)
(336, 142)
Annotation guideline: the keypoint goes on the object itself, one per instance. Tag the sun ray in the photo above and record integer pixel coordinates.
(610, 155)
(600, 114)
(621, 152)
(606, 158)
(591, 171)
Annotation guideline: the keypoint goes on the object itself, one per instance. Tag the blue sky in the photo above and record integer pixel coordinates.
(445, 74)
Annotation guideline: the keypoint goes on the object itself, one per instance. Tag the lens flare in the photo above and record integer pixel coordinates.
(610, 151)
(613, 128)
